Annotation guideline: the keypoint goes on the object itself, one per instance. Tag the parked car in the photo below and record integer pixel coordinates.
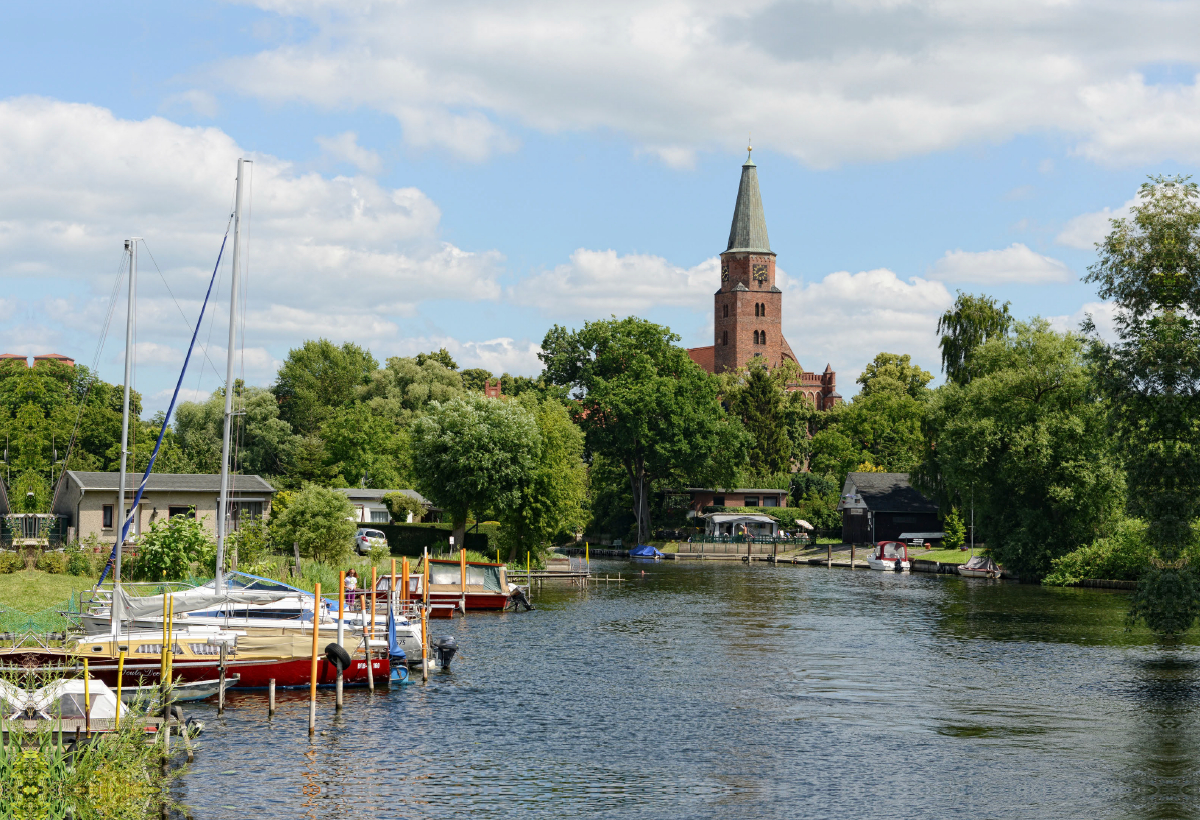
(365, 540)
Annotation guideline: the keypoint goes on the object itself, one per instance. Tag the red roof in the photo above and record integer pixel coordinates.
(704, 356)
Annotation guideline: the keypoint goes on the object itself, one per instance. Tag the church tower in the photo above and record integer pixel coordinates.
(748, 305)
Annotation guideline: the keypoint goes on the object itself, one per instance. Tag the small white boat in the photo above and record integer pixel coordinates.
(890, 556)
(979, 566)
(184, 692)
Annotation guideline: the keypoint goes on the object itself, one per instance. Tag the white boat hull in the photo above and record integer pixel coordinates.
(888, 564)
(978, 573)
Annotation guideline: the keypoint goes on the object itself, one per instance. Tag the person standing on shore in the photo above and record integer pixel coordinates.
(351, 586)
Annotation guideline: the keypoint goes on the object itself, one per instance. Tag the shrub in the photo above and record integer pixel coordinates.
(252, 542)
(54, 563)
(411, 539)
(400, 505)
(956, 530)
(78, 561)
(169, 548)
(11, 561)
(1121, 556)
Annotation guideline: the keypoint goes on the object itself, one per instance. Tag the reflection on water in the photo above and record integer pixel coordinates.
(714, 689)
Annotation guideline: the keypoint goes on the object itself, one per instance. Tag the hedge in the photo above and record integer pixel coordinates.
(412, 539)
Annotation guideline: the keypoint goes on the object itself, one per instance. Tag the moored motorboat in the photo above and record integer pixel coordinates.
(980, 566)
(889, 556)
(468, 586)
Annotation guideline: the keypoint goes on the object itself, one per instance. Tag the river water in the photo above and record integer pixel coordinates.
(721, 690)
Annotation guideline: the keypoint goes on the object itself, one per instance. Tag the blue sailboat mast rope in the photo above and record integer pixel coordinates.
(166, 419)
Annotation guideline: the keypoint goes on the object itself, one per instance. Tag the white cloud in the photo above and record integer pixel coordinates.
(202, 103)
(345, 148)
(823, 82)
(501, 355)
(1085, 230)
(846, 318)
(336, 256)
(163, 397)
(1103, 315)
(599, 283)
(1016, 263)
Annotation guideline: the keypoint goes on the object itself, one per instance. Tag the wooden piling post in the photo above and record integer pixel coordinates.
(341, 632)
(221, 682)
(424, 646)
(829, 555)
(87, 701)
(270, 697)
(120, 678)
(462, 572)
(312, 683)
(851, 556)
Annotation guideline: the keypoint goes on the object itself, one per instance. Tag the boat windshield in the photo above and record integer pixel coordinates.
(485, 576)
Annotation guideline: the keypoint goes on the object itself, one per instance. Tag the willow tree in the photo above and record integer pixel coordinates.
(971, 322)
(1149, 266)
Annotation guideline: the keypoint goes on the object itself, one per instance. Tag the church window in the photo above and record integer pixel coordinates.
(726, 311)
(763, 309)
(724, 337)
(756, 337)
(756, 308)
(763, 337)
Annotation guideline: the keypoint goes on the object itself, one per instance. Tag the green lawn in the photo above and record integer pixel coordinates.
(32, 599)
(944, 556)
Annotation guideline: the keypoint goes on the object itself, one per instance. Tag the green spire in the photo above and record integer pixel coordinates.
(749, 229)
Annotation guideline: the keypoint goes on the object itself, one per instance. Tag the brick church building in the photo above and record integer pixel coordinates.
(748, 308)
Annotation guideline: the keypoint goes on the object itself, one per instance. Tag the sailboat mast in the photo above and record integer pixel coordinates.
(115, 610)
(223, 511)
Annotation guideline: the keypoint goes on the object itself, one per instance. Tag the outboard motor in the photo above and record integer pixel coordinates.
(899, 565)
(519, 600)
(443, 651)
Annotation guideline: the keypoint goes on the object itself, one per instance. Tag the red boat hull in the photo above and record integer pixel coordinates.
(253, 674)
(476, 601)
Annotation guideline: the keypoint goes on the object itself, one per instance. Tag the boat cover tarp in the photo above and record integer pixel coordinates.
(291, 645)
(644, 551)
(981, 562)
(191, 600)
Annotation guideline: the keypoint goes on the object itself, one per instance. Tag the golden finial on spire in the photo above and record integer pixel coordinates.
(749, 145)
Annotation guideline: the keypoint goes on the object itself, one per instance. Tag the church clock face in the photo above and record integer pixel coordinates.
(760, 273)
(724, 272)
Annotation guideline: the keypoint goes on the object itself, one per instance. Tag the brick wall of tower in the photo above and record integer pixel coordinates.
(736, 320)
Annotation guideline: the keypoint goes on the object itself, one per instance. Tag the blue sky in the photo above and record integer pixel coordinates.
(466, 174)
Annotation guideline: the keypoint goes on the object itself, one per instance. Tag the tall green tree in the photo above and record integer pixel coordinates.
(552, 497)
(972, 321)
(894, 373)
(1025, 442)
(644, 403)
(319, 521)
(263, 443)
(760, 404)
(474, 453)
(1149, 265)
(317, 379)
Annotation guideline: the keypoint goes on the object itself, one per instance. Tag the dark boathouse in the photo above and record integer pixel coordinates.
(882, 506)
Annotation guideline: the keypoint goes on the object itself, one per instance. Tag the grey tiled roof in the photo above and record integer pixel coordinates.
(369, 494)
(170, 482)
(749, 229)
(887, 492)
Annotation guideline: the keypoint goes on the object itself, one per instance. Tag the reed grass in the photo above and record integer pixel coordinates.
(112, 775)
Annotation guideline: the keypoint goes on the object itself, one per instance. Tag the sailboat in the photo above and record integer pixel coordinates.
(286, 650)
